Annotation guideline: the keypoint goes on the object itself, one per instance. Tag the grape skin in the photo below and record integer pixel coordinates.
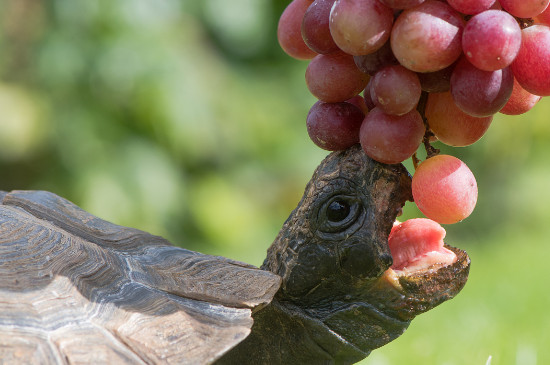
(334, 77)
(438, 81)
(524, 8)
(390, 138)
(444, 189)
(427, 38)
(395, 89)
(471, 7)
(315, 27)
(450, 124)
(520, 102)
(491, 40)
(360, 27)
(289, 30)
(334, 126)
(372, 62)
(480, 93)
(531, 67)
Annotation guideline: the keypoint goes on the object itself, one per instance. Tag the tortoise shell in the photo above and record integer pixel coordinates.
(77, 289)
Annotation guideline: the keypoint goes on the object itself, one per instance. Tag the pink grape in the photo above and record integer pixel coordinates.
(315, 27)
(360, 27)
(289, 31)
(428, 37)
(390, 138)
(418, 244)
(334, 77)
(471, 7)
(334, 126)
(450, 124)
(532, 65)
(524, 8)
(395, 89)
(444, 189)
(520, 102)
(491, 40)
(480, 93)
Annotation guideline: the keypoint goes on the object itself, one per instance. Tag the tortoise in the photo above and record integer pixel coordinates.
(77, 289)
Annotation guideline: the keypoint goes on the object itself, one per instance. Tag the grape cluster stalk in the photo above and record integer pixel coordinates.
(395, 74)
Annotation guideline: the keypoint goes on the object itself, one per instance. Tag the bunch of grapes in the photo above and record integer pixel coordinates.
(428, 70)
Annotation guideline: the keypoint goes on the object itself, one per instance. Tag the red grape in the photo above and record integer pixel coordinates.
(450, 124)
(444, 189)
(544, 17)
(520, 102)
(531, 67)
(360, 27)
(334, 77)
(438, 81)
(471, 6)
(480, 93)
(395, 89)
(359, 102)
(367, 96)
(390, 138)
(289, 30)
(427, 38)
(491, 40)
(372, 62)
(315, 28)
(524, 8)
(334, 126)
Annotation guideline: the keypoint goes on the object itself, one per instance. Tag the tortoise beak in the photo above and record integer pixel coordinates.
(408, 294)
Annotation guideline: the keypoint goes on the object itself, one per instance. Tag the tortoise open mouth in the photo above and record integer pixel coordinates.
(425, 271)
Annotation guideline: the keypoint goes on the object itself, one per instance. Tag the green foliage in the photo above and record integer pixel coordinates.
(185, 119)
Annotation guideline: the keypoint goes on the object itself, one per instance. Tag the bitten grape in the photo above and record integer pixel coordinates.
(450, 124)
(427, 38)
(289, 31)
(391, 138)
(334, 126)
(444, 189)
(334, 77)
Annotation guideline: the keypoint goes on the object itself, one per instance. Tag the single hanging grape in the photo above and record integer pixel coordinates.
(444, 189)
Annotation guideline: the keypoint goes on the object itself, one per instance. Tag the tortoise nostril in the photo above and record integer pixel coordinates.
(386, 260)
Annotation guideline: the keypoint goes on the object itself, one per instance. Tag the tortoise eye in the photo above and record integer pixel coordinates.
(338, 210)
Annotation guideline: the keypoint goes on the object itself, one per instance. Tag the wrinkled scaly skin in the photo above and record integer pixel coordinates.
(337, 302)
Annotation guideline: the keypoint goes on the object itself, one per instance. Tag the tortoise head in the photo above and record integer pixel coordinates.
(334, 259)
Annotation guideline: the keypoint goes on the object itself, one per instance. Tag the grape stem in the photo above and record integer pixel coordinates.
(430, 150)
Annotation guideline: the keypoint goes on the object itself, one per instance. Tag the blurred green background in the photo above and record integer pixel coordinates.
(185, 119)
